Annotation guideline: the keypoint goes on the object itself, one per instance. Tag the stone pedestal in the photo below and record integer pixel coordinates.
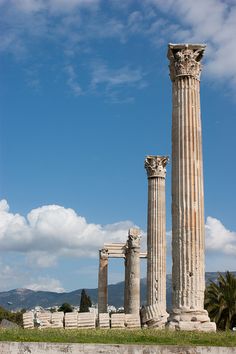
(102, 281)
(132, 273)
(188, 275)
(104, 320)
(154, 314)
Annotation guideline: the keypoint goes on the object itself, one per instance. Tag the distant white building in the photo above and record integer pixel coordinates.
(111, 308)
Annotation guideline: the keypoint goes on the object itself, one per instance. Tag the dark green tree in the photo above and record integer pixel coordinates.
(220, 301)
(16, 317)
(85, 302)
(65, 307)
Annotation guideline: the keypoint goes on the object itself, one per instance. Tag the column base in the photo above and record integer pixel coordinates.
(190, 320)
(153, 316)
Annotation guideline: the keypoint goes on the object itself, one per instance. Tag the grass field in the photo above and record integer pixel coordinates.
(145, 336)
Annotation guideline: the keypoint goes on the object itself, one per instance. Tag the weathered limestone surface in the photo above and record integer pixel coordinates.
(28, 319)
(71, 320)
(187, 189)
(118, 320)
(86, 320)
(102, 280)
(132, 273)
(76, 348)
(57, 319)
(126, 286)
(44, 319)
(154, 314)
(103, 320)
(132, 321)
(119, 250)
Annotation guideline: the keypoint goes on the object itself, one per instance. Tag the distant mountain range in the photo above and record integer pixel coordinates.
(25, 298)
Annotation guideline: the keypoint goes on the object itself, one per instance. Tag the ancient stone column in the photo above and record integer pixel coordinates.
(188, 275)
(126, 287)
(102, 280)
(132, 273)
(154, 314)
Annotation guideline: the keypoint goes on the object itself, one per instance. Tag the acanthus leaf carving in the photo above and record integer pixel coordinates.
(156, 166)
(185, 60)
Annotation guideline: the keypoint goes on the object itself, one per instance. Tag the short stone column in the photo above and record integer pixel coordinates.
(154, 314)
(132, 273)
(126, 284)
(102, 281)
(188, 274)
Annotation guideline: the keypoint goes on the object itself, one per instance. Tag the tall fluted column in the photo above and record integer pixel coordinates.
(102, 281)
(188, 275)
(133, 272)
(154, 314)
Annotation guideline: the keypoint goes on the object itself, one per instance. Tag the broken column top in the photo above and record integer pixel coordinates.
(134, 237)
(156, 165)
(185, 60)
(103, 253)
(133, 232)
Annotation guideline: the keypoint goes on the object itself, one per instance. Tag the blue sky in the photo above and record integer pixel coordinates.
(85, 96)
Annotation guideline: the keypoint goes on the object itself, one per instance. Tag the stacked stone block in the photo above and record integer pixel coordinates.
(57, 319)
(44, 319)
(86, 320)
(28, 319)
(71, 320)
(118, 320)
(132, 321)
(103, 320)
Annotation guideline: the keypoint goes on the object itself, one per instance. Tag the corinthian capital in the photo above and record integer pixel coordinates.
(156, 166)
(185, 60)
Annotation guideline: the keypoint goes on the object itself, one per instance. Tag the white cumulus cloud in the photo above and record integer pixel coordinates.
(212, 22)
(45, 284)
(218, 238)
(52, 231)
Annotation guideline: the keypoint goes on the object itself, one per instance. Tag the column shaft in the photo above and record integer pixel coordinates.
(156, 240)
(133, 272)
(126, 288)
(187, 196)
(102, 281)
